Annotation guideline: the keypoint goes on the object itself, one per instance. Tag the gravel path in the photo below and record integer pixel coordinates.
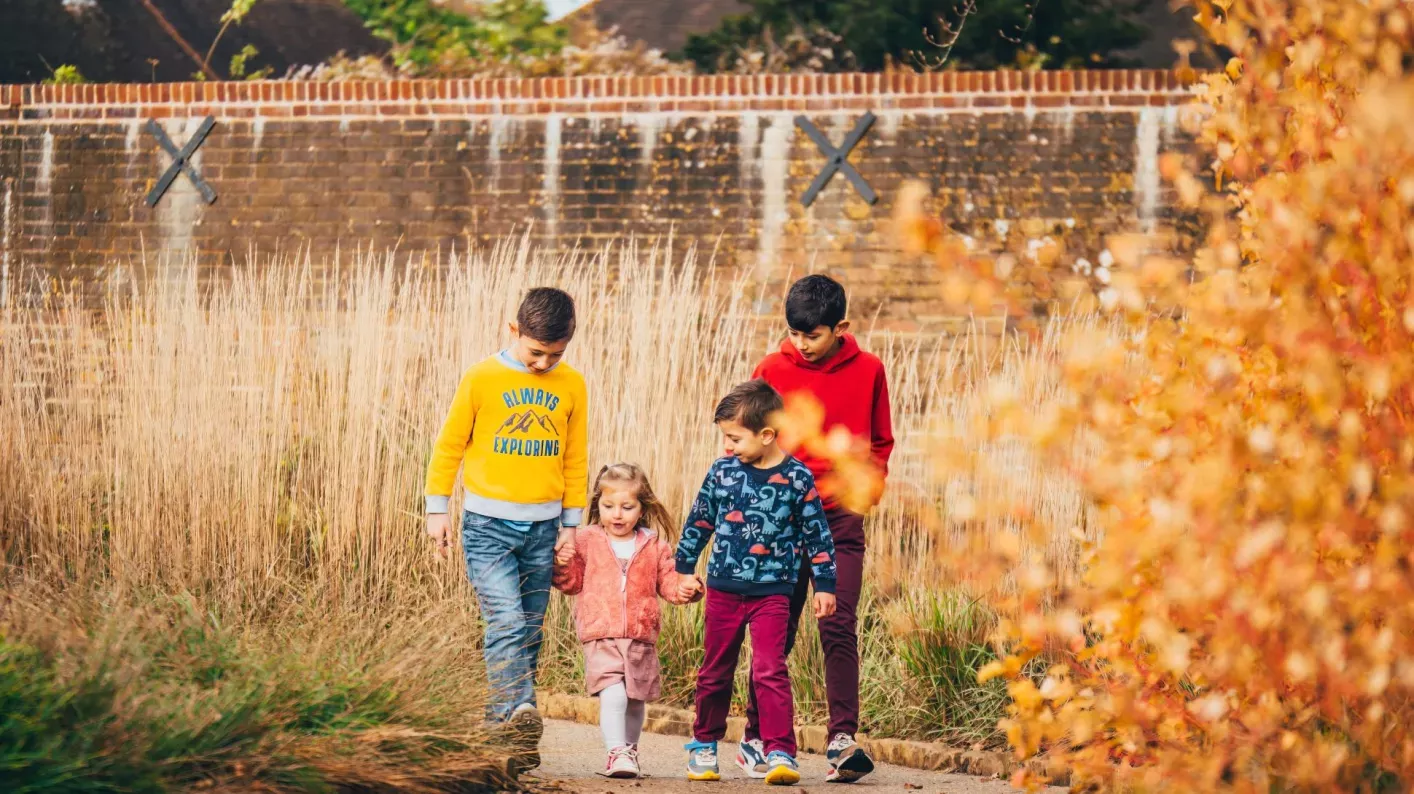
(572, 753)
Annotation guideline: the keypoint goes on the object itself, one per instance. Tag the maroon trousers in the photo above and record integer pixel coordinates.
(839, 633)
(728, 618)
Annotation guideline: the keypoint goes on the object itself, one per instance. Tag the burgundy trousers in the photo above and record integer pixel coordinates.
(839, 633)
(728, 618)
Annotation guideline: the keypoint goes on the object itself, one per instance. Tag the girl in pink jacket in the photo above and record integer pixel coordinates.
(620, 565)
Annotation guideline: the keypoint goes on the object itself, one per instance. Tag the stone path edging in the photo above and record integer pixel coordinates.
(930, 756)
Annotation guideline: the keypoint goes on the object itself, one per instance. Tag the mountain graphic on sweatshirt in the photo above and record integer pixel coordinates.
(525, 422)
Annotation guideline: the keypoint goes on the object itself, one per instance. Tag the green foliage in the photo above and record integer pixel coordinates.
(425, 33)
(942, 654)
(55, 734)
(177, 699)
(66, 74)
(237, 12)
(240, 62)
(966, 34)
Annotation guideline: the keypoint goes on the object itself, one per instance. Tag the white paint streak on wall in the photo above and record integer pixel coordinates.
(44, 185)
(1170, 124)
(497, 135)
(1062, 125)
(7, 208)
(748, 137)
(889, 123)
(1146, 168)
(774, 165)
(44, 180)
(134, 132)
(179, 210)
(649, 127)
(551, 184)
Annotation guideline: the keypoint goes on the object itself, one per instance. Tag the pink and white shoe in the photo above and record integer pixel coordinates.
(623, 763)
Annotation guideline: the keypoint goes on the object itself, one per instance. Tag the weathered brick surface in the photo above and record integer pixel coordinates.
(425, 165)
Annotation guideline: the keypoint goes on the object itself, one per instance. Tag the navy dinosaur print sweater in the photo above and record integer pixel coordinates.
(760, 522)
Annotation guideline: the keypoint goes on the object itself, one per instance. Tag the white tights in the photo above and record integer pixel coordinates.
(620, 717)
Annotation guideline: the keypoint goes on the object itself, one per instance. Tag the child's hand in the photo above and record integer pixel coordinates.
(439, 529)
(688, 588)
(564, 546)
(564, 555)
(824, 605)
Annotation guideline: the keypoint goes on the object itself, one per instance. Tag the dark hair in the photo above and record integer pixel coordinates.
(815, 301)
(751, 404)
(546, 314)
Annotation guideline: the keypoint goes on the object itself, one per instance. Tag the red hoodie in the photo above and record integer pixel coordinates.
(852, 388)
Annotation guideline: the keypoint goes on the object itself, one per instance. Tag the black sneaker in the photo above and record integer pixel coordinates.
(848, 761)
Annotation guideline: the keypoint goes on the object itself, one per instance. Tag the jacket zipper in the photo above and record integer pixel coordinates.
(628, 570)
(623, 588)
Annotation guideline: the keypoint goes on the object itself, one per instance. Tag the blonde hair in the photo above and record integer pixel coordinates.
(655, 515)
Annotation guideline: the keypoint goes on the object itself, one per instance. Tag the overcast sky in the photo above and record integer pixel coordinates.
(559, 8)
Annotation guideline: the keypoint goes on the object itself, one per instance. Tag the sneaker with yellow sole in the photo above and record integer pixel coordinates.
(702, 761)
(781, 769)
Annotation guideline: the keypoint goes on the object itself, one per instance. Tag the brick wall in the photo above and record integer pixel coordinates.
(716, 159)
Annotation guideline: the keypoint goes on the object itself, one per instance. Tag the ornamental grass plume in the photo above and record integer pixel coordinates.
(1245, 616)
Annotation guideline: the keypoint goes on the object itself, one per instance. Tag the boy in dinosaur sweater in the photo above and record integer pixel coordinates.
(759, 508)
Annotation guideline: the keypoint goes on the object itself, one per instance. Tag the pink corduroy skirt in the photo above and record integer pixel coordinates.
(631, 662)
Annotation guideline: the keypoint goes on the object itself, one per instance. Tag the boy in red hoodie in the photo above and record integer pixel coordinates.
(820, 357)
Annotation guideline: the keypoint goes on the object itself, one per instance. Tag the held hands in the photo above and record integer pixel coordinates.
(564, 547)
(439, 529)
(824, 605)
(688, 588)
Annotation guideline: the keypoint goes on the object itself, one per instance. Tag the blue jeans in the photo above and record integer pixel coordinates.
(511, 571)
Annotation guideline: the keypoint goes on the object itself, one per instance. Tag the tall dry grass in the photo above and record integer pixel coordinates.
(262, 438)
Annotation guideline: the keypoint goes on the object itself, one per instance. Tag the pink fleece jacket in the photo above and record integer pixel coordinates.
(607, 607)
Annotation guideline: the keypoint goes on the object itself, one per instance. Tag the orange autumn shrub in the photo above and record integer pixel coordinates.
(1245, 620)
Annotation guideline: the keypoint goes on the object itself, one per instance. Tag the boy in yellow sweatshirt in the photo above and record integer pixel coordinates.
(517, 430)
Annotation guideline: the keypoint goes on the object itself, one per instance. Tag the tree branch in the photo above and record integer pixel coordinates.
(206, 70)
(967, 9)
(1030, 19)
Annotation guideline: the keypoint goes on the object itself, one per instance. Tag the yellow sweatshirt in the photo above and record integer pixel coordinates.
(521, 440)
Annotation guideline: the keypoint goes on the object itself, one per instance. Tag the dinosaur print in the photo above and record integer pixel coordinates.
(758, 525)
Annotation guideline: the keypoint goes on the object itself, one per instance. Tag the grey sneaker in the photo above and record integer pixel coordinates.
(781, 770)
(751, 757)
(848, 761)
(702, 761)
(523, 732)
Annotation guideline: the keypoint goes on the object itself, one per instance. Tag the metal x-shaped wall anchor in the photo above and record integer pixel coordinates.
(181, 161)
(836, 158)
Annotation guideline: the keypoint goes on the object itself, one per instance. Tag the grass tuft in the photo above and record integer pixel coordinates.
(155, 693)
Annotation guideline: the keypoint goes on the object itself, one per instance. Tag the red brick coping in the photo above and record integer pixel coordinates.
(1000, 90)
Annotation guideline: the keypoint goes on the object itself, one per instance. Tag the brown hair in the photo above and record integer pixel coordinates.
(751, 404)
(655, 515)
(546, 314)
